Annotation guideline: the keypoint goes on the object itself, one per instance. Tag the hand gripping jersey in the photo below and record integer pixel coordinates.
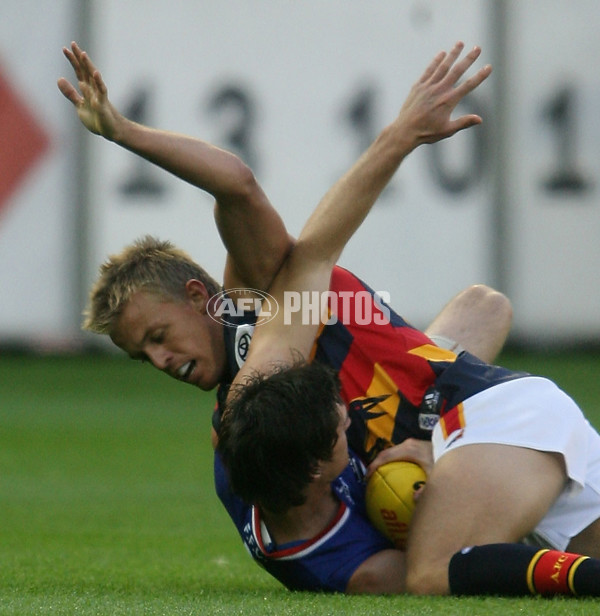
(322, 563)
(394, 379)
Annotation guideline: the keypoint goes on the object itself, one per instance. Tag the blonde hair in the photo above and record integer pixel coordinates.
(147, 264)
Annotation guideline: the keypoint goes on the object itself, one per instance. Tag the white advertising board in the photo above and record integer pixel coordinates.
(554, 191)
(299, 89)
(36, 266)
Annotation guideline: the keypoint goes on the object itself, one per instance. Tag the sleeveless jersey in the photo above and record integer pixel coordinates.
(394, 379)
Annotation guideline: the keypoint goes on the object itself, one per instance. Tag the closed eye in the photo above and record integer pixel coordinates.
(158, 337)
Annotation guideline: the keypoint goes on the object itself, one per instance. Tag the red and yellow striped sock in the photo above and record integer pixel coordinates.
(516, 569)
(551, 572)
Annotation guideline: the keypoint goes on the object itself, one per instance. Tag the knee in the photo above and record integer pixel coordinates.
(493, 302)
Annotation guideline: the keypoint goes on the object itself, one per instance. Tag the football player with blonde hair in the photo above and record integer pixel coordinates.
(154, 302)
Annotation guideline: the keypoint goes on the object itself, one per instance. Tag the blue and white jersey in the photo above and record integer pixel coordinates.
(322, 563)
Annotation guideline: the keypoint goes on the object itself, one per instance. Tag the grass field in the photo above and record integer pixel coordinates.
(107, 507)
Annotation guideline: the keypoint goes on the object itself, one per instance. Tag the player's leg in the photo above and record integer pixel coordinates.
(478, 319)
(478, 494)
(570, 531)
(587, 541)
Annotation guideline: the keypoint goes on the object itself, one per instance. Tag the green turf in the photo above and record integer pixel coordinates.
(107, 507)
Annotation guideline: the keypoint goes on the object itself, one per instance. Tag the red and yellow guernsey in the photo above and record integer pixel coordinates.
(396, 382)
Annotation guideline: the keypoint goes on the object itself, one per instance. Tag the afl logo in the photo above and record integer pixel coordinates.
(228, 307)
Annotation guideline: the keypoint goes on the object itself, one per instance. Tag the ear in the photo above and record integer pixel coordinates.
(197, 294)
(316, 474)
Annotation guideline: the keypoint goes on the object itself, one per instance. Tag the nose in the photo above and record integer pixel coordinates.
(159, 357)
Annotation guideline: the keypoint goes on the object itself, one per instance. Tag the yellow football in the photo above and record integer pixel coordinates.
(390, 498)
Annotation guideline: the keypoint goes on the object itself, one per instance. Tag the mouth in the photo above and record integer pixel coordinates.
(185, 372)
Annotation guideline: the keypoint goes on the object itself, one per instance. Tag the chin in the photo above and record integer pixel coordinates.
(206, 386)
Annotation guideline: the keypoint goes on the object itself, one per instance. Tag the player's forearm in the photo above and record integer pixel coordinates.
(211, 169)
(347, 203)
(206, 166)
(308, 267)
(425, 117)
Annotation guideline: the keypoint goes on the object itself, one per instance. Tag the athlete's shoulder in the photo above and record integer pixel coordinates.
(343, 279)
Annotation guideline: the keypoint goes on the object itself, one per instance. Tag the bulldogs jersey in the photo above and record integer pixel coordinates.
(322, 563)
(394, 379)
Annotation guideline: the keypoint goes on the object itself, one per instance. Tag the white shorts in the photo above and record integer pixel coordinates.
(533, 412)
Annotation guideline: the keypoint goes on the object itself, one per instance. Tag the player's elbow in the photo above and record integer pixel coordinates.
(245, 187)
(381, 574)
(365, 584)
(426, 581)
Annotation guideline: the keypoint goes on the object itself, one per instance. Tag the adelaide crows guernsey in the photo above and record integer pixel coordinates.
(394, 379)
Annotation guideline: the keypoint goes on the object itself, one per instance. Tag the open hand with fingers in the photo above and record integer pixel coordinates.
(94, 109)
(426, 113)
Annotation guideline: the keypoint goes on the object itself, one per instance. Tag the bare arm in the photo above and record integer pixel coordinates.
(424, 118)
(382, 573)
(252, 231)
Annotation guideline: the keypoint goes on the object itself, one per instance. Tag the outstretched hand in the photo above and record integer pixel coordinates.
(431, 101)
(91, 101)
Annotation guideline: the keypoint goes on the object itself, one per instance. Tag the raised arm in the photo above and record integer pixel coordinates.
(252, 231)
(424, 118)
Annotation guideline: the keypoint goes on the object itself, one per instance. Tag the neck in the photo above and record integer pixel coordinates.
(305, 521)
